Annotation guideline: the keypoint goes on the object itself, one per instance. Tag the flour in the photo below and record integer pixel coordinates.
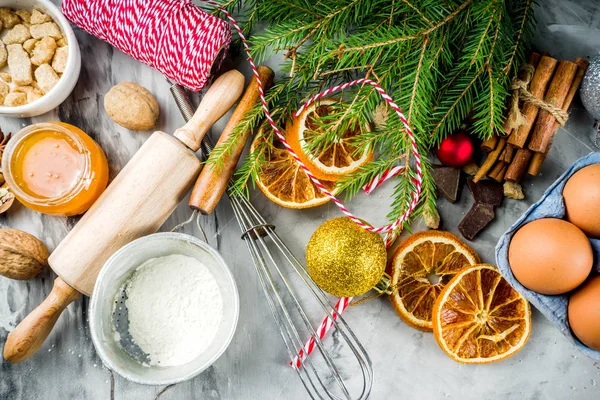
(175, 309)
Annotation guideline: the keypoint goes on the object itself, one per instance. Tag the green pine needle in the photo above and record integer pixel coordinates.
(443, 62)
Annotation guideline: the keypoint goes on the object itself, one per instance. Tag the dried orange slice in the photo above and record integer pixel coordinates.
(283, 181)
(420, 268)
(479, 318)
(335, 161)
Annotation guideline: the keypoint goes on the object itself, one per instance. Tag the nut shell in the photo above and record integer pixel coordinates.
(22, 256)
(131, 106)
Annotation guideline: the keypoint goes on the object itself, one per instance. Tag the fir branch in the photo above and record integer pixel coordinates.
(411, 37)
(526, 17)
(419, 13)
(445, 124)
(442, 61)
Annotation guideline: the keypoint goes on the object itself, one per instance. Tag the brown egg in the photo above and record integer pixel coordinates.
(584, 313)
(550, 256)
(582, 200)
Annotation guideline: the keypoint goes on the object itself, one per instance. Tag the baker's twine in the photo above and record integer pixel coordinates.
(520, 91)
(173, 36)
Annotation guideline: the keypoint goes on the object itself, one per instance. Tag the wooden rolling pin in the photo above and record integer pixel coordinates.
(136, 203)
(212, 182)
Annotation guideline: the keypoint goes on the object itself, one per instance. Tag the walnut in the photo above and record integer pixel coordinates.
(22, 256)
(131, 106)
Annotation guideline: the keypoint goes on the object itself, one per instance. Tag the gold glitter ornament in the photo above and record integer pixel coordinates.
(344, 259)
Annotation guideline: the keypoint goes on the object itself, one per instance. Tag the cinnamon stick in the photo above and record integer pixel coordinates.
(497, 173)
(537, 87)
(556, 95)
(518, 166)
(536, 163)
(490, 160)
(508, 154)
(538, 158)
(489, 144)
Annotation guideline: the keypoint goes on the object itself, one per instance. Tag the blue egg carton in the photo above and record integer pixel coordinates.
(551, 205)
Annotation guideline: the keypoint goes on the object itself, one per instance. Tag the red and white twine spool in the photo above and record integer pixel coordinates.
(183, 42)
(173, 36)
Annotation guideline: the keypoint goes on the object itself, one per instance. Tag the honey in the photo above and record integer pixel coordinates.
(55, 168)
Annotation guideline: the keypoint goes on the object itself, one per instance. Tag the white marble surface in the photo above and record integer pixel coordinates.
(407, 363)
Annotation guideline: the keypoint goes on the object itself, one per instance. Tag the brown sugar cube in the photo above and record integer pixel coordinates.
(43, 51)
(6, 77)
(24, 15)
(4, 89)
(29, 45)
(15, 99)
(18, 34)
(38, 17)
(59, 63)
(3, 54)
(32, 93)
(513, 190)
(9, 18)
(46, 29)
(62, 42)
(19, 65)
(46, 77)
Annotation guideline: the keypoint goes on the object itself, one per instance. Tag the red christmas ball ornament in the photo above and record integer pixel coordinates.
(456, 150)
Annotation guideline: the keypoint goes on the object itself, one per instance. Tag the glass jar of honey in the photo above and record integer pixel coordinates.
(55, 168)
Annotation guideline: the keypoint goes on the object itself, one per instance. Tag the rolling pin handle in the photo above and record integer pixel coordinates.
(31, 333)
(219, 98)
(212, 182)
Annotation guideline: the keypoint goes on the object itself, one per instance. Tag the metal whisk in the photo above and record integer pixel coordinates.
(319, 372)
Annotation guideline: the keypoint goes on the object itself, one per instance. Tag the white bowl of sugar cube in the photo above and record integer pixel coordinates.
(39, 58)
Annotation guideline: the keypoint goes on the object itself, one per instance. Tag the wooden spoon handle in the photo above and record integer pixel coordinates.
(212, 182)
(219, 98)
(30, 334)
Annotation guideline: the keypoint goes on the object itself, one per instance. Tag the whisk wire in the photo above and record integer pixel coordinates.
(272, 293)
(255, 231)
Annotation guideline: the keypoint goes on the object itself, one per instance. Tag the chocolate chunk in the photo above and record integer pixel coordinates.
(478, 217)
(486, 192)
(447, 180)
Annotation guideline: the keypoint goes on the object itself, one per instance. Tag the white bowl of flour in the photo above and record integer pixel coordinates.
(164, 308)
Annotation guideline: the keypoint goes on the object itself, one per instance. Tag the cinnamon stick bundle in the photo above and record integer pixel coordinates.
(556, 95)
(534, 60)
(538, 158)
(537, 87)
